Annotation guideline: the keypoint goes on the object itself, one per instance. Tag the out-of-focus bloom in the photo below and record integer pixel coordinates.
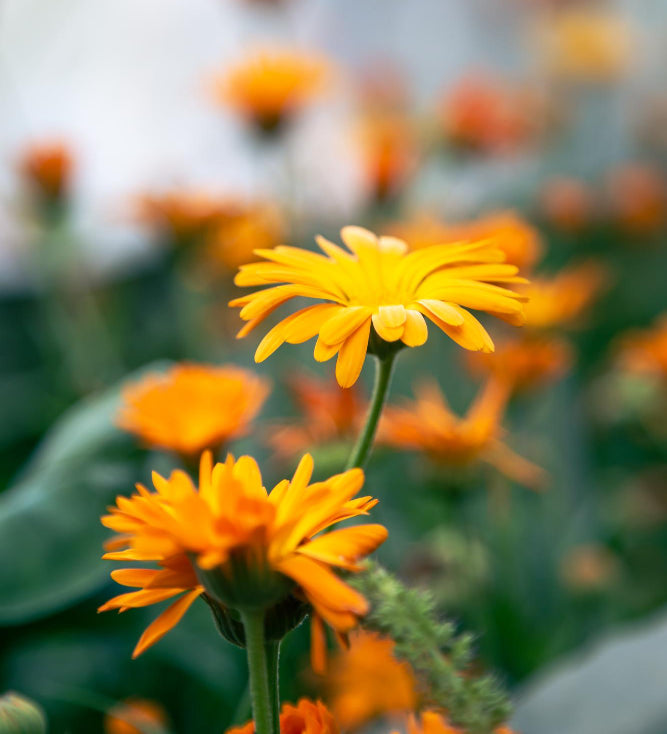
(584, 44)
(47, 167)
(328, 414)
(567, 204)
(271, 85)
(366, 681)
(486, 115)
(429, 425)
(192, 407)
(378, 283)
(561, 300)
(19, 714)
(638, 198)
(307, 717)
(524, 362)
(136, 716)
(238, 544)
(432, 722)
(588, 568)
(645, 352)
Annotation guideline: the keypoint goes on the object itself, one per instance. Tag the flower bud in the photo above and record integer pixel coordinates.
(20, 715)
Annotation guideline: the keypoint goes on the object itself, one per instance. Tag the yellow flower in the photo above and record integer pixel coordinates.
(230, 538)
(307, 717)
(366, 681)
(192, 407)
(271, 85)
(645, 352)
(429, 425)
(380, 284)
(48, 168)
(135, 716)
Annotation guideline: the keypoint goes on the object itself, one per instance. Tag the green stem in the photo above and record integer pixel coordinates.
(362, 448)
(260, 688)
(273, 656)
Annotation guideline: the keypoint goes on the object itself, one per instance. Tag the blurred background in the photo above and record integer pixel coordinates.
(147, 147)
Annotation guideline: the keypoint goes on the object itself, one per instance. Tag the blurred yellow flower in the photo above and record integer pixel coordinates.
(644, 352)
(47, 167)
(377, 283)
(637, 197)
(366, 681)
(240, 545)
(307, 717)
(192, 407)
(271, 85)
(429, 425)
(136, 716)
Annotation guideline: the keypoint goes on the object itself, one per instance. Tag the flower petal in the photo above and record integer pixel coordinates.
(352, 355)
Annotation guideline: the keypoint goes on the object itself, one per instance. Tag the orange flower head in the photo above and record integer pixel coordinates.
(645, 352)
(525, 362)
(47, 167)
(430, 426)
(192, 407)
(567, 204)
(377, 284)
(366, 681)
(433, 722)
(270, 86)
(588, 568)
(562, 299)
(239, 544)
(638, 198)
(136, 716)
(307, 717)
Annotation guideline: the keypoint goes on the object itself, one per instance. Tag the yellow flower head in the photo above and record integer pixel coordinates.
(135, 716)
(379, 284)
(236, 542)
(429, 425)
(192, 407)
(273, 84)
(307, 717)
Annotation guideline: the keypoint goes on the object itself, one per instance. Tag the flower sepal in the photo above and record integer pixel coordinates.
(381, 348)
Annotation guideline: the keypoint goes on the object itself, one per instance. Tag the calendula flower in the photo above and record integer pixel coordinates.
(271, 85)
(644, 352)
(588, 568)
(136, 716)
(637, 197)
(377, 284)
(366, 681)
(562, 299)
(433, 722)
(240, 545)
(307, 717)
(524, 362)
(328, 414)
(47, 167)
(192, 407)
(567, 204)
(429, 425)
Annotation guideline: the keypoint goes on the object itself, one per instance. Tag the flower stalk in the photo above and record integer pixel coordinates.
(262, 690)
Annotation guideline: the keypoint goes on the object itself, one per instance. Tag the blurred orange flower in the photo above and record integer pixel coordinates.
(638, 197)
(588, 568)
(429, 425)
(47, 167)
(136, 716)
(567, 204)
(366, 681)
(307, 717)
(432, 722)
(328, 414)
(271, 85)
(239, 544)
(644, 352)
(192, 407)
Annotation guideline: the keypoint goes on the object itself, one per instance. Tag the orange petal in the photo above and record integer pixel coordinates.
(318, 645)
(341, 547)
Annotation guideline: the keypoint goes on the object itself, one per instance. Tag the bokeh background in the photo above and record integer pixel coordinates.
(131, 188)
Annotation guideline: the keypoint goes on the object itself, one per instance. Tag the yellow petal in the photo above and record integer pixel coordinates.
(323, 352)
(343, 323)
(352, 355)
(416, 332)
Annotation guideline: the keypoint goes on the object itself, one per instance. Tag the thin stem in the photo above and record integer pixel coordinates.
(260, 689)
(273, 656)
(362, 448)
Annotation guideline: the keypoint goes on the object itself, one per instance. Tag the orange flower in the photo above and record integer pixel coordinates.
(429, 425)
(432, 722)
(638, 197)
(377, 283)
(562, 299)
(588, 568)
(307, 717)
(238, 544)
(367, 681)
(567, 204)
(329, 414)
(192, 407)
(48, 169)
(645, 352)
(136, 716)
(272, 85)
(524, 362)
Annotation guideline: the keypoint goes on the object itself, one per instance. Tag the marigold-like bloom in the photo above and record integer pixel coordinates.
(638, 197)
(271, 85)
(429, 425)
(192, 407)
(307, 717)
(562, 299)
(567, 204)
(366, 681)
(644, 352)
(432, 722)
(378, 283)
(524, 362)
(242, 541)
(328, 414)
(48, 169)
(136, 716)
